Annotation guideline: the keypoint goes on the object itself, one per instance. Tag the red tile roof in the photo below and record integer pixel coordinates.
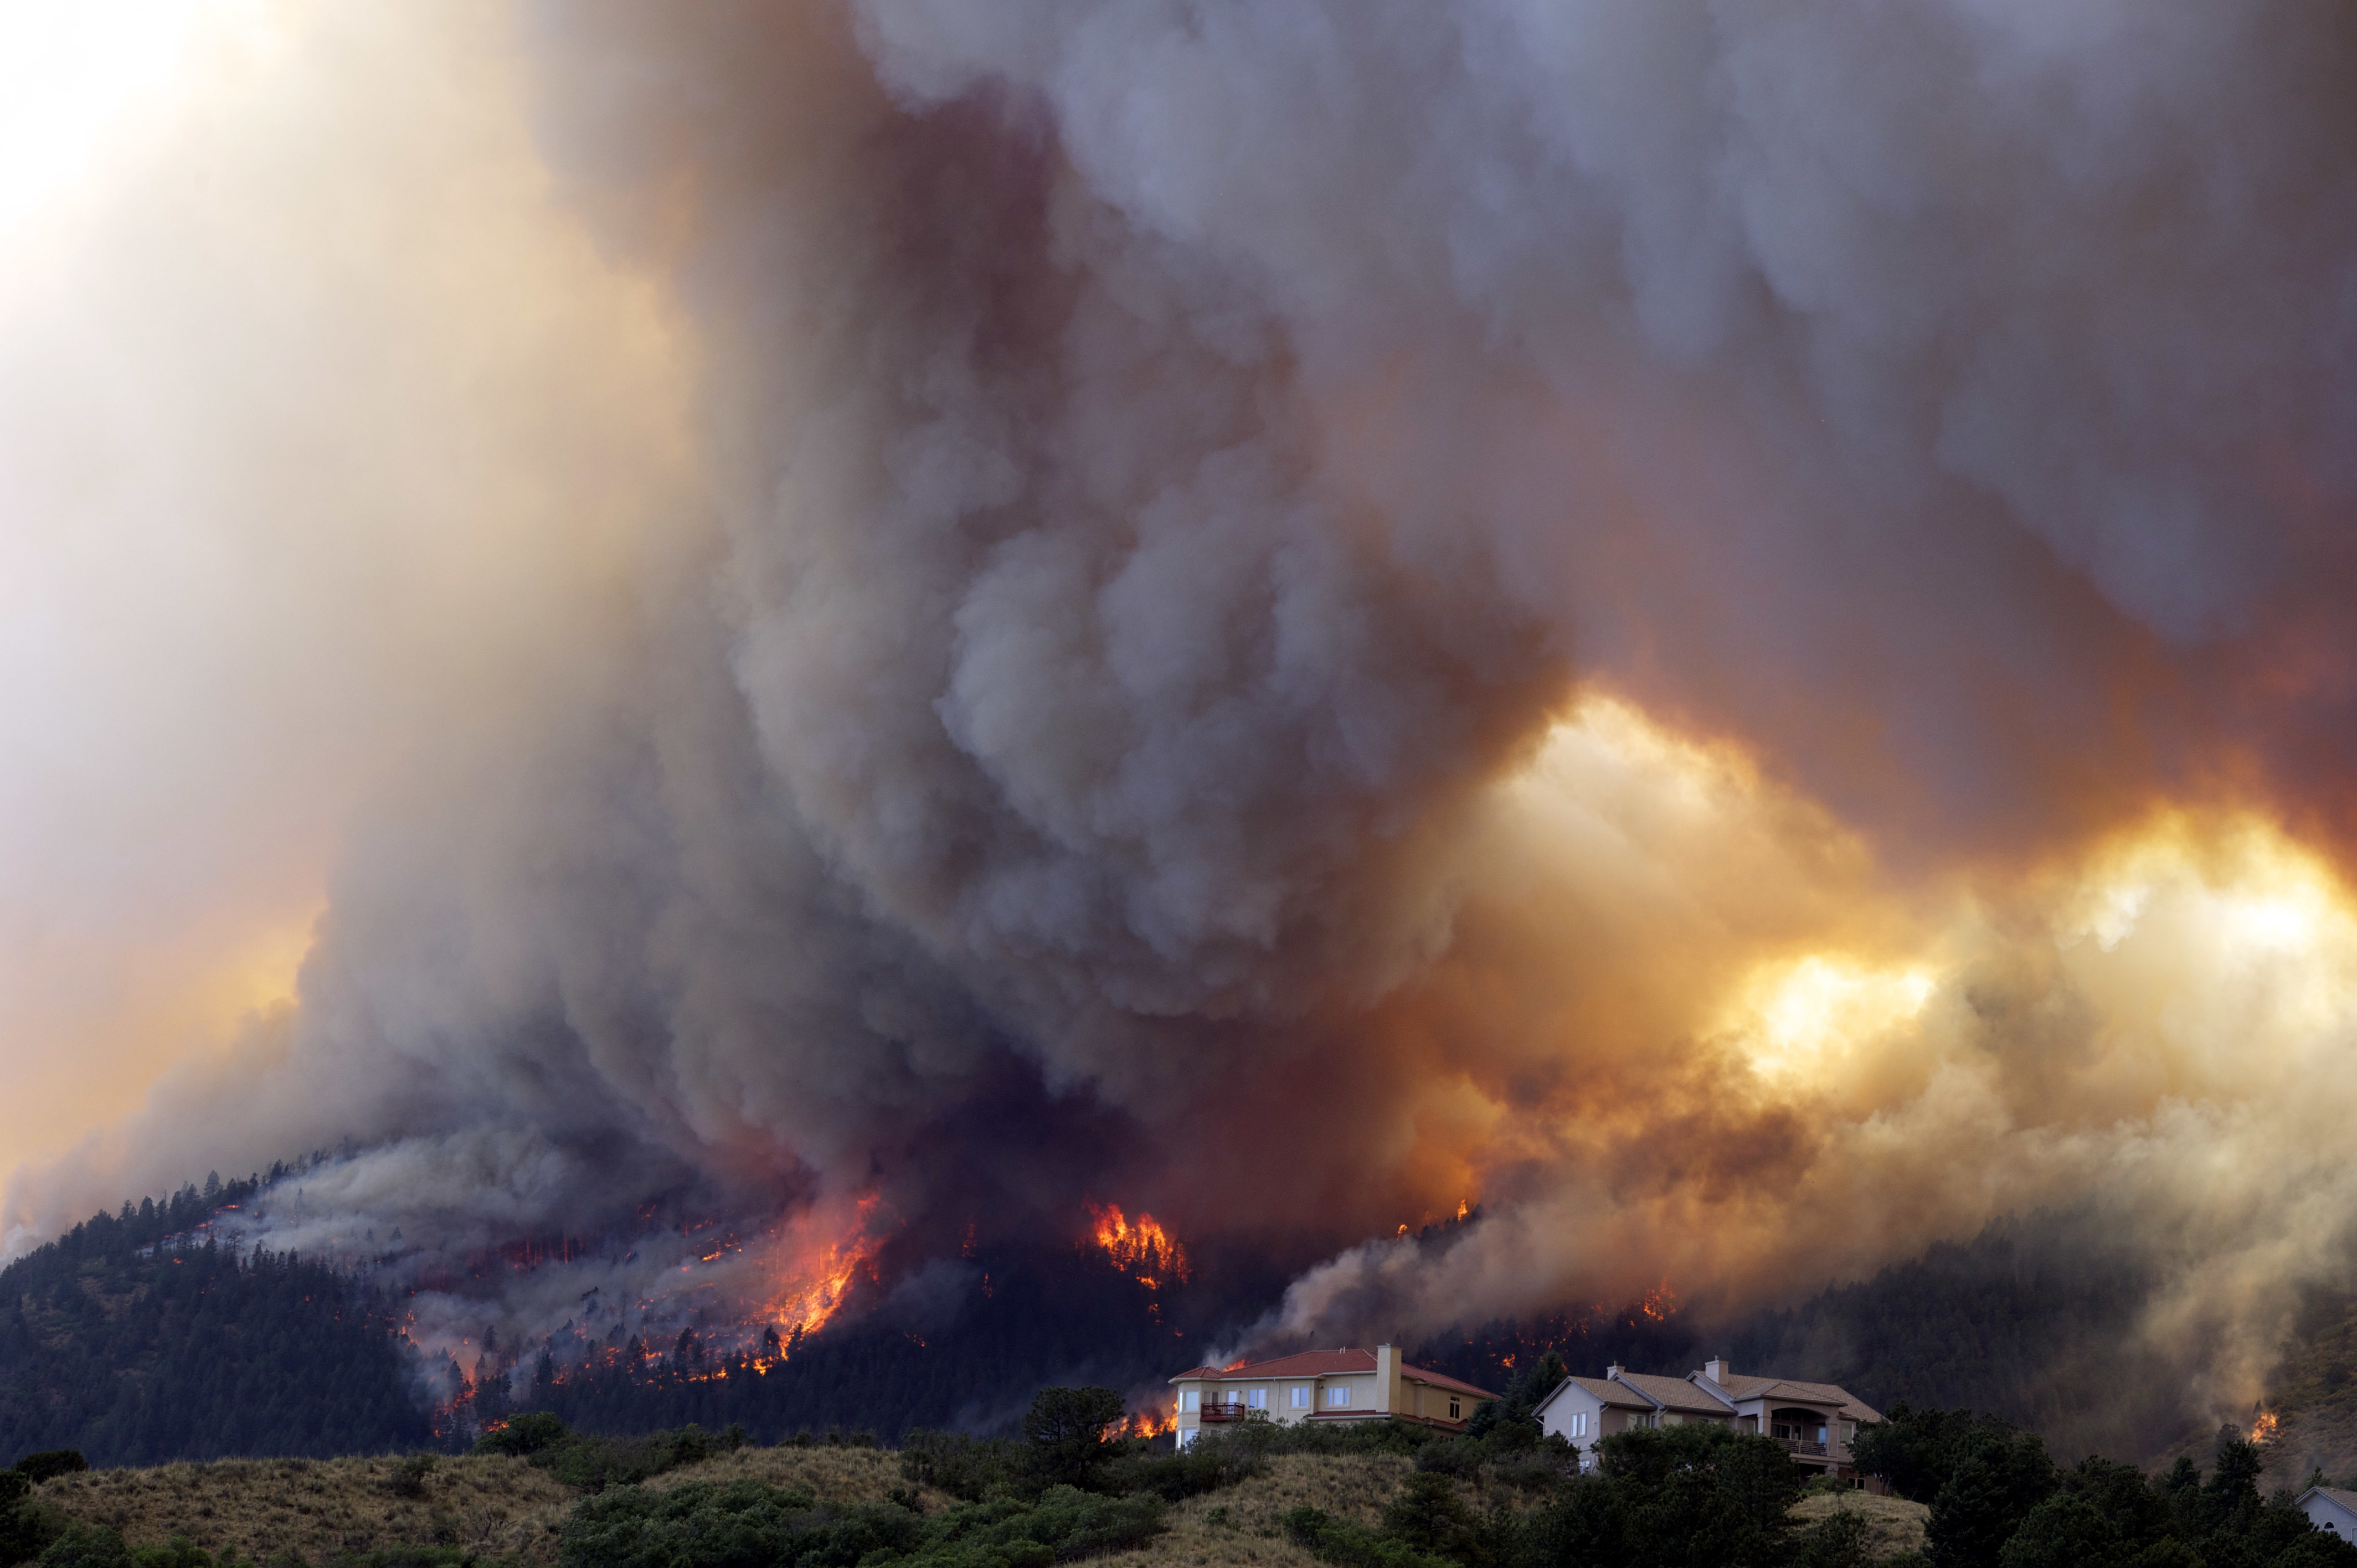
(1323, 1364)
(1308, 1364)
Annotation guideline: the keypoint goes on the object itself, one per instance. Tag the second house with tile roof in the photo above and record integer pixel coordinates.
(1814, 1422)
(1324, 1386)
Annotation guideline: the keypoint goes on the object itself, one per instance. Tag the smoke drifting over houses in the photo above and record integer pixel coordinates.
(1725, 630)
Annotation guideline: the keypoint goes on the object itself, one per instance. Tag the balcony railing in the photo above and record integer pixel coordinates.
(1795, 1446)
(1217, 1412)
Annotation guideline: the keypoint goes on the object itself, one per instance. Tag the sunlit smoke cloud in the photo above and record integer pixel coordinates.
(1719, 629)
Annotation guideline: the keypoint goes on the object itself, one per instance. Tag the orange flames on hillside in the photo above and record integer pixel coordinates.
(812, 1275)
(1145, 1250)
(1661, 1303)
(736, 1304)
(2264, 1429)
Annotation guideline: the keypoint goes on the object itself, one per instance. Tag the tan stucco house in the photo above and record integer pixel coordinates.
(1323, 1385)
(1815, 1421)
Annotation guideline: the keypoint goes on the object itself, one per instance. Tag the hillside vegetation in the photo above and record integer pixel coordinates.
(1973, 1493)
(134, 1340)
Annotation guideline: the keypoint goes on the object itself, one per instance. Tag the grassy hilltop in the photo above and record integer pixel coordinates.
(495, 1507)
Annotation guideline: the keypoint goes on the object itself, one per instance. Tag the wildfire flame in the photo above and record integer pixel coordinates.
(1150, 1422)
(1144, 1252)
(2264, 1429)
(1660, 1302)
(809, 1282)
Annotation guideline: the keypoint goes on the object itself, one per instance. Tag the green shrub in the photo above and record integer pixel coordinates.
(593, 1464)
(39, 1468)
(525, 1434)
(964, 1466)
(1839, 1541)
(1351, 1546)
(88, 1546)
(1206, 1466)
(408, 1477)
(177, 1552)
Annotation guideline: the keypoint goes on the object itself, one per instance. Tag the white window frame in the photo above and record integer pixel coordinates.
(1338, 1397)
(1300, 1396)
(1256, 1398)
(1190, 1399)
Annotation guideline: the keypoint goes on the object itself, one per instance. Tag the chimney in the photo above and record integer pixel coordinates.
(1614, 1371)
(1719, 1371)
(1387, 1378)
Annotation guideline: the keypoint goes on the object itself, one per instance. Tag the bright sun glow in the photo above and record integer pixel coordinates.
(70, 74)
(1794, 1013)
(2258, 892)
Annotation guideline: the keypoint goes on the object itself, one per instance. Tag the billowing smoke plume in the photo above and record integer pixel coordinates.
(1722, 628)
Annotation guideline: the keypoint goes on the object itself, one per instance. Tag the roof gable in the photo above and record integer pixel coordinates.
(1443, 1380)
(1323, 1364)
(1601, 1389)
(1674, 1394)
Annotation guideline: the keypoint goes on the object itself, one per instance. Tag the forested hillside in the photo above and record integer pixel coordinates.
(970, 1360)
(137, 1348)
(2034, 1320)
(135, 1342)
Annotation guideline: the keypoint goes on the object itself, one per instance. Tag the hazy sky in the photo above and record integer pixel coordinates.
(320, 421)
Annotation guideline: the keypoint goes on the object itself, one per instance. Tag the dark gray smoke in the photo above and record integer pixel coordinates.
(1328, 588)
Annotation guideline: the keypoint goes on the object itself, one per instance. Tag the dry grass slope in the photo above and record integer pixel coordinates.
(1893, 1524)
(832, 1475)
(1243, 1524)
(493, 1504)
(497, 1505)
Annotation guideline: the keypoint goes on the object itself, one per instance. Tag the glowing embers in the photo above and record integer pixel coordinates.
(1143, 1251)
(1660, 1305)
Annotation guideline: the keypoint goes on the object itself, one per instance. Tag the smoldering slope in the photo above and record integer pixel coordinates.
(1720, 629)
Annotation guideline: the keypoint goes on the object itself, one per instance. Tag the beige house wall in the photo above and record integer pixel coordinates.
(1386, 1390)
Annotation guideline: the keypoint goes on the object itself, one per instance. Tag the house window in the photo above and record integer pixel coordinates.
(1338, 1397)
(1258, 1399)
(1300, 1397)
(1453, 1412)
(1189, 1399)
(1579, 1424)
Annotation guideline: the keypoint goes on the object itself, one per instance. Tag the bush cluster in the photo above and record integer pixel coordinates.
(1998, 1501)
(1498, 1495)
(593, 1464)
(747, 1524)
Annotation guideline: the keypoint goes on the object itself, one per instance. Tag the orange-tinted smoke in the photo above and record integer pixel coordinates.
(1667, 618)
